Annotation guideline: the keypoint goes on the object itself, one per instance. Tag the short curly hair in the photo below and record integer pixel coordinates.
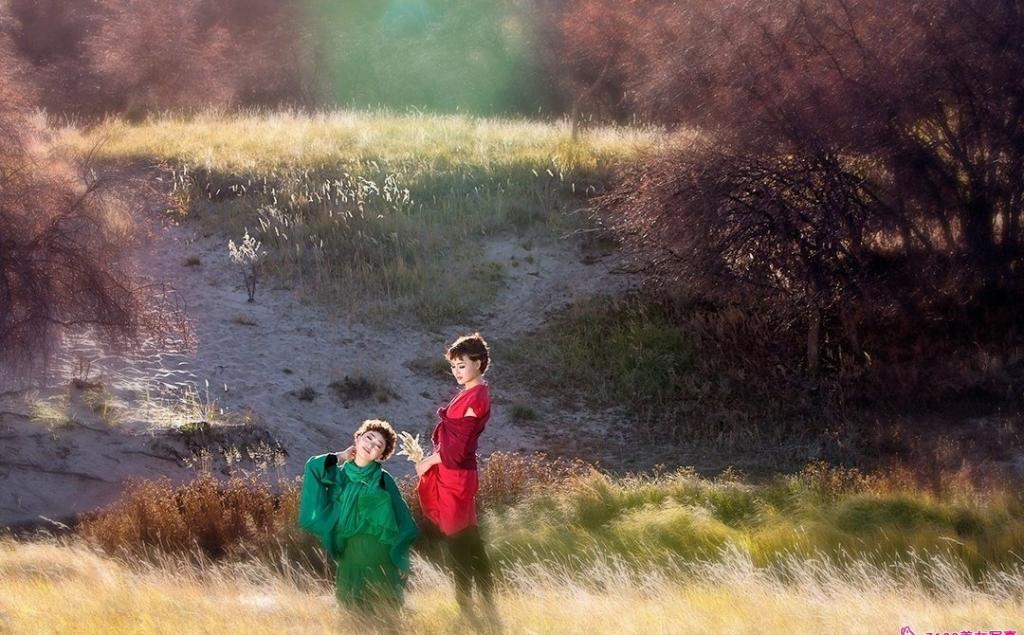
(472, 346)
(385, 430)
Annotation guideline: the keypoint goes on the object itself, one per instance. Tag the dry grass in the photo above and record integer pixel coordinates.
(79, 403)
(268, 141)
(49, 587)
(222, 519)
(53, 412)
(888, 517)
(184, 407)
(506, 478)
(362, 385)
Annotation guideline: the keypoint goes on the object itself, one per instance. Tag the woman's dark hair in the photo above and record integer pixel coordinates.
(472, 346)
(385, 430)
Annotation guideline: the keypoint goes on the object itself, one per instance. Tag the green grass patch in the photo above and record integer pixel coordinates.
(652, 520)
(623, 350)
(522, 412)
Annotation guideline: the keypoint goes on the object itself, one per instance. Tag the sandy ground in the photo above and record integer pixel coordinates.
(261, 373)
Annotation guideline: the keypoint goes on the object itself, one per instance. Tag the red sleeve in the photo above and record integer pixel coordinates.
(481, 403)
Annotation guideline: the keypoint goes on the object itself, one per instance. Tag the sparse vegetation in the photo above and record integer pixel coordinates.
(375, 213)
(245, 320)
(522, 412)
(306, 393)
(362, 387)
(247, 256)
(53, 411)
(184, 409)
(106, 406)
(435, 366)
(79, 403)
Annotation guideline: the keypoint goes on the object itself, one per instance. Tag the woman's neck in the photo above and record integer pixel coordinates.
(473, 383)
(360, 462)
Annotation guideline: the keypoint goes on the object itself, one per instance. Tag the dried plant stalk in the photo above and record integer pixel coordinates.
(411, 447)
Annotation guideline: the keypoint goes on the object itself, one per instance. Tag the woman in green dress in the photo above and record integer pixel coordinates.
(353, 505)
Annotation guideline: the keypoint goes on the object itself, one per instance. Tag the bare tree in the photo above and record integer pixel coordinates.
(63, 259)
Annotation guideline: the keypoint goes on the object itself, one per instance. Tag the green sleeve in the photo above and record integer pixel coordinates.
(318, 513)
(407, 530)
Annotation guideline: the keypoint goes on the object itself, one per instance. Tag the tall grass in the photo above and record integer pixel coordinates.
(253, 514)
(374, 210)
(840, 514)
(50, 586)
(824, 550)
(536, 510)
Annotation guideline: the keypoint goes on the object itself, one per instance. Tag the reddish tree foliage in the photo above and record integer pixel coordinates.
(200, 53)
(154, 56)
(584, 44)
(137, 56)
(271, 48)
(63, 264)
(49, 37)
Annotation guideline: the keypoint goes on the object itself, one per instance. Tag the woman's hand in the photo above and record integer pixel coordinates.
(424, 466)
(348, 454)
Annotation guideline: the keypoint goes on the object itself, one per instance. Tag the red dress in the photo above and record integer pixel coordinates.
(448, 490)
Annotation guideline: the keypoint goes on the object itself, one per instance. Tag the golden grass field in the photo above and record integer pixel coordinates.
(265, 141)
(59, 587)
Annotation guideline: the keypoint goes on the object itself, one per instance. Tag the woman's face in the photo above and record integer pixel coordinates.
(369, 447)
(464, 369)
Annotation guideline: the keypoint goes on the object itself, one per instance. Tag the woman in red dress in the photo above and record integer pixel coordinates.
(448, 477)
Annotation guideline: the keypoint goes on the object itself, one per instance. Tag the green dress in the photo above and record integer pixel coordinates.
(364, 524)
